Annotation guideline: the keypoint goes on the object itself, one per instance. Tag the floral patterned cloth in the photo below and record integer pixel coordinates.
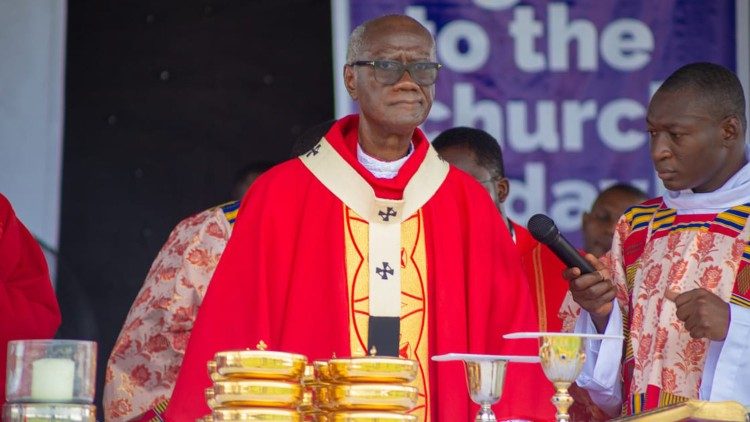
(146, 358)
(656, 250)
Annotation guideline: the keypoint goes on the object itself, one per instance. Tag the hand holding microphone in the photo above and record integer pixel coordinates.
(590, 282)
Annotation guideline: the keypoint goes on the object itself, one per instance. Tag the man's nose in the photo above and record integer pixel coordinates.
(406, 80)
(660, 147)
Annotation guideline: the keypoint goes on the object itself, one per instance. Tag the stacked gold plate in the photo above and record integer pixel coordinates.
(255, 385)
(365, 389)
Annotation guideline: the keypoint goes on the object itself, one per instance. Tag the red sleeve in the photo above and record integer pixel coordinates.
(27, 299)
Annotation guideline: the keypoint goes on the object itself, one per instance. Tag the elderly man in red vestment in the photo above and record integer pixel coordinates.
(29, 306)
(369, 239)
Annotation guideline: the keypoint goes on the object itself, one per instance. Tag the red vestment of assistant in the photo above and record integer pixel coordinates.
(544, 273)
(282, 279)
(28, 302)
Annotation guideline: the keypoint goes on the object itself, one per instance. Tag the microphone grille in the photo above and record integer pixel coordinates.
(542, 228)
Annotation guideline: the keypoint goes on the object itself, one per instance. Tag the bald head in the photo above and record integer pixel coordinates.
(363, 34)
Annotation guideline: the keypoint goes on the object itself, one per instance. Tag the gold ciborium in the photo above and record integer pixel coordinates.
(562, 356)
(485, 376)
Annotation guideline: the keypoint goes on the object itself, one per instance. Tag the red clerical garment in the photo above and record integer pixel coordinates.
(27, 302)
(288, 277)
(544, 273)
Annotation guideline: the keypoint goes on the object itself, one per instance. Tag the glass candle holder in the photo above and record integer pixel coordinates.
(51, 371)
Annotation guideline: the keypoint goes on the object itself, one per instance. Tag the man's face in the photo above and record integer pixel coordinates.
(686, 142)
(401, 106)
(466, 160)
(599, 224)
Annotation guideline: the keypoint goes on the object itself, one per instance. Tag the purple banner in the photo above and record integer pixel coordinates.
(563, 86)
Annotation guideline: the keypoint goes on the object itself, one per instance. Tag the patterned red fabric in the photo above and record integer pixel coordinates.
(28, 302)
(282, 280)
(146, 358)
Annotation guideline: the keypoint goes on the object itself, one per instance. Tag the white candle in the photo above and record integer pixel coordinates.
(52, 380)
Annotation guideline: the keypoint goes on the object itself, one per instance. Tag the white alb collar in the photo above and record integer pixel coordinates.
(382, 169)
(734, 192)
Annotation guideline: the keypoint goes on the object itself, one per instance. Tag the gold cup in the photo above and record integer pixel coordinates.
(562, 358)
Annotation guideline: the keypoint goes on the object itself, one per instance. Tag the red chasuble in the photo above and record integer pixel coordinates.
(283, 279)
(544, 273)
(28, 303)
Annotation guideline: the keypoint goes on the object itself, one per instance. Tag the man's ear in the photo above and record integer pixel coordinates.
(350, 81)
(503, 189)
(731, 131)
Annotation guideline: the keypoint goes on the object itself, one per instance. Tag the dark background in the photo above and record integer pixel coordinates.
(165, 101)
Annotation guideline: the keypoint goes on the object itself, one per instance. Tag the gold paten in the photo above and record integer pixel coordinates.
(371, 417)
(262, 364)
(257, 393)
(728, 411)
(257, 414)
(386, 397)
(373, 369)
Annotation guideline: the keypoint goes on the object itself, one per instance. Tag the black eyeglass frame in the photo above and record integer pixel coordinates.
(377, 66)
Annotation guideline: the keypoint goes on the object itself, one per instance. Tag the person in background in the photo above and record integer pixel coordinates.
(27, 300)
(143, 366)
(675, 281)
(377, 244)
(477, 153)
(598, 225)
(246, 176)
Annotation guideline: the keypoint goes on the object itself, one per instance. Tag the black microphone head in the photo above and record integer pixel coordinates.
(543, 228)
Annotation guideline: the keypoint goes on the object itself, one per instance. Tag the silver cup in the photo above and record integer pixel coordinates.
(485, 379)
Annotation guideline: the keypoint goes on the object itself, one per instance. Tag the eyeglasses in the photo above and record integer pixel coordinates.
(389, 72)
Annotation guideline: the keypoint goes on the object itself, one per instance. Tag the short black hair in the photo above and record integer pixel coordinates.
(485, 146)
(254, 167)
(625, 188)
(717, 84)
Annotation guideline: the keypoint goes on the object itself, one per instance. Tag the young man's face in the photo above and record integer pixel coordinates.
(686, 141)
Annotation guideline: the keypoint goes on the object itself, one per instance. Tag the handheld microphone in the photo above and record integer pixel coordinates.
(544, 230)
